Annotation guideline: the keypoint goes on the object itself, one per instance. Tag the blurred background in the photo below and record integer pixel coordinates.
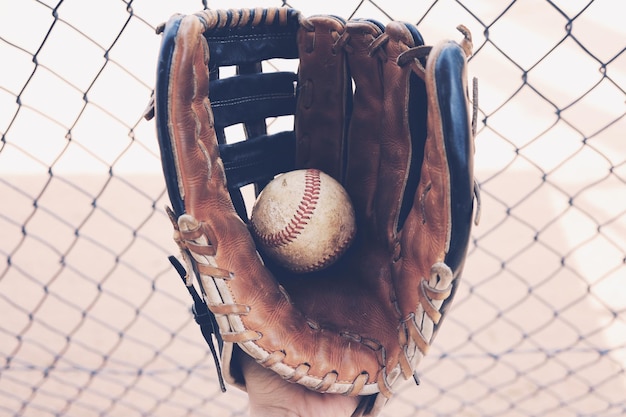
(94, 321)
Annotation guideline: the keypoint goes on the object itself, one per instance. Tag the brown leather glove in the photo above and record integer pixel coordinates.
(401, 143)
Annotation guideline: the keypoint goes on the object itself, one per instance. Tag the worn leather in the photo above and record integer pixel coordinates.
(401, 144)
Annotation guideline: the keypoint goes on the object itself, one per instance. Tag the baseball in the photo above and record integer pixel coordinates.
(303, 220)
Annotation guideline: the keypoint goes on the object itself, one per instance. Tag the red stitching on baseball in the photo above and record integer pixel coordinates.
(327, 259)
(303, 213)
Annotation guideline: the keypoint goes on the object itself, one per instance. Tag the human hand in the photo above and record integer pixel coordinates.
(270, 395)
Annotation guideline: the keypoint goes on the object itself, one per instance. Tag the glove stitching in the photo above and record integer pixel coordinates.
(251, 37)
(233, 18)
(327, 381)
(249, 99)
(341, 41)
(427, 189)
(377, 47)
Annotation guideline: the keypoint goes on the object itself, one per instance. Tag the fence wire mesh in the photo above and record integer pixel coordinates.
(94, 319)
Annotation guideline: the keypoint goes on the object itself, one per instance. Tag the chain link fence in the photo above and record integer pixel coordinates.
(94, 320)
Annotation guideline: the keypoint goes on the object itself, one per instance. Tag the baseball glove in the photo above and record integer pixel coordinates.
(388, 118)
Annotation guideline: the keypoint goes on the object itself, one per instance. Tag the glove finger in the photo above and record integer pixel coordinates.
(435, 235)
(324, 92)
(387, 128)
(365, 129)
(443, 205)
(188, 142)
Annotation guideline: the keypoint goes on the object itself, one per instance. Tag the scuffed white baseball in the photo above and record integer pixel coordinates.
(304, 220)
